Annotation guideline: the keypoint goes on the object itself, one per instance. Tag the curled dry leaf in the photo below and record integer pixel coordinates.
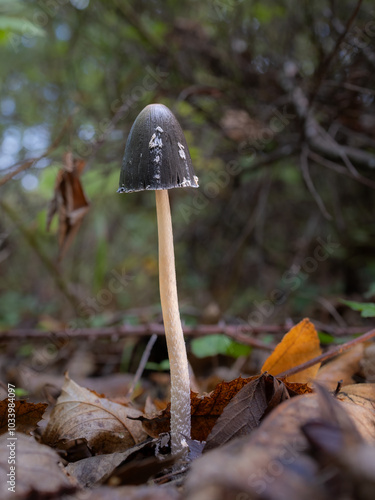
(83, 414)
(69, 202)
(341, 368)
(342, 440)
(27, 415)
(37, 470)
(299, 345)
(262, 464)
(206, 409)
(273, 462)
(93, 471)
(247, 408)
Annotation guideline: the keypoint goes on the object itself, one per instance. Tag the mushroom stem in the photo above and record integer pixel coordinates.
(180, 384)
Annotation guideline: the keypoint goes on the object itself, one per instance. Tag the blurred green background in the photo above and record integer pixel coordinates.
(277, 103)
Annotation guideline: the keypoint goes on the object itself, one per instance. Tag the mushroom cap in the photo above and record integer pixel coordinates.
(156, 153)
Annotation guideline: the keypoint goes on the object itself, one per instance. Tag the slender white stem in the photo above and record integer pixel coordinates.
(180, 384)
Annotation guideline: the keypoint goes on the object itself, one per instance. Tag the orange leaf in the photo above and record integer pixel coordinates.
(27, 415)
(299, 345)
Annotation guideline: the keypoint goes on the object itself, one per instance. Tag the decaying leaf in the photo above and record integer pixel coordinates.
(37, 470)
(135, 493)
(273, 462)
(93, 471)
(69, 202)
(262, 464)
(299, 345)
(337, 441)
(359, 394)
(342, 368)
(27, 415)
(83, 414)
(247, 408)
(206, 409)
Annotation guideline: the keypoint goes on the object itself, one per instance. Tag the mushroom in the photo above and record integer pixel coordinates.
(157, 158)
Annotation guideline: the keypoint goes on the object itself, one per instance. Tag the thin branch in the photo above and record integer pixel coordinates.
(309, 183)
(340, 169)
(328, 355)
(27, 164)
(142, 364)
(237, 332)
(323, 68)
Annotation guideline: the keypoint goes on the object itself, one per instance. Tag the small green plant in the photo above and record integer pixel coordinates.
(211, 345)
(367, 309)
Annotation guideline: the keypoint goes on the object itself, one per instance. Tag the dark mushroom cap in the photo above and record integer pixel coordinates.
(156, 154)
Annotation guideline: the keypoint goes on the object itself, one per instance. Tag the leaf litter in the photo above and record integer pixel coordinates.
(261, 436)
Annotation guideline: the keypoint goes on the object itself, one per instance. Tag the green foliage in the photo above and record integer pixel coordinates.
(212, 345)
(367, 309)
(163, 366)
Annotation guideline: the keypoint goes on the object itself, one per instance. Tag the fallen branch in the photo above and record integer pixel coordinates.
(328, 355)
(237, 332)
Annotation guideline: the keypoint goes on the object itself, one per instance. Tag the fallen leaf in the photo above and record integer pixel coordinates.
(83, 414)
(267, 464)
(135, 493)
(273, 462)
(69, 202)
(368, 363)
(206, 409)
(246, 409)
(93, 471)
(299, 345)
(337, 441)
(37, 470)
(27, 415)
(343, 367)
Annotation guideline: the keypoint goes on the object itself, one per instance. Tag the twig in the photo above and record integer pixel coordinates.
(142, 364)
(323, 68)
(340, 169)
(35, 245)
(237, 332)
(27, 164)
(328, 355)
(309, 183)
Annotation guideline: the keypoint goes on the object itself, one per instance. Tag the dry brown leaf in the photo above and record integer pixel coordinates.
(83, 414)
(263, 464)
(135, 493)
(299, 345)
(273, 462)
(93, 471)
(37, 470)
(206, 409)
(69, 202)
(27, 415)
(359, 402)
(246, 409)
(343, 367)
(360, 394)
